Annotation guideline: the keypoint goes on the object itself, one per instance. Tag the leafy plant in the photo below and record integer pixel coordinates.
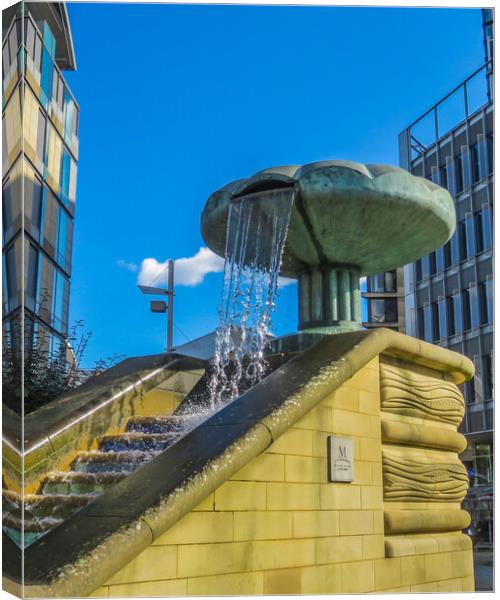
(48, 366)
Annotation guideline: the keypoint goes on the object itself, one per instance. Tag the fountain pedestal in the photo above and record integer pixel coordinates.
(329, 300)
(347, 220)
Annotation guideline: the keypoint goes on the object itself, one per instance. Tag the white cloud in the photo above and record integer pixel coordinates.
(284, 281)
(187, 271)
(123, 264)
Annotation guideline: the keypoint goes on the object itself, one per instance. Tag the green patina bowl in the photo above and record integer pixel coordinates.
(367, 218)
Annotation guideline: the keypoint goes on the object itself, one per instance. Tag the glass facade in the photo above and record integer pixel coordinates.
(40, 134)
(450, 301)
(383, 300)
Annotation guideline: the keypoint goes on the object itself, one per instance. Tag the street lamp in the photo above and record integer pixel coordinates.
(159, 306)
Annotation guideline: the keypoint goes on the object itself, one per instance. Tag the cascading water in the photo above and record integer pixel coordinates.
(249, 290)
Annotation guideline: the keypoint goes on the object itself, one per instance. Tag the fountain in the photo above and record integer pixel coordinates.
(348, 220)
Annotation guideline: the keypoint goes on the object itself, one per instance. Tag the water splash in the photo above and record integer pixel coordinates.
(256, 234)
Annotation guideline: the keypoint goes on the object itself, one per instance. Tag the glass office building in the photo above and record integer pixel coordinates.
(40, 140)
(449, 293)
(383, 300)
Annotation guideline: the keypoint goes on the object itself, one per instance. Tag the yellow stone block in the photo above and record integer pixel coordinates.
(369, 402)
(377, 473)
(323, 579)
(306, 469)
(372, 497)
(320, 444)
(450, 585)
(268, 525)
(318, 523)
(100, 592)
(198, 528)
(265, 467)
(364, 379)
(468, 584)
(378, 521)
(355, 522)
(373, 546)
(425, 587)
(237, 584)
(412, 569)
(462, 563)
(370, 449)
(293, 496)
(293, 441)
(340, 496)
(282, 581)
(339, 549)
(438, 566)
(344, 398)
(356, 424)
(387, 573)
(317, 419)
(241, 495)
(358, 577)
(155, 562)
(197, 560)
(207, 504)
(148, 589)
(363, 473)
(282, 554)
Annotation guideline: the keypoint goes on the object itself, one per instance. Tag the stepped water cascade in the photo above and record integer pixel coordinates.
(250, 285)
(256, 234)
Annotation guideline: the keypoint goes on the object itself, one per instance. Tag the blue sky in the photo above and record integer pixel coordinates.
(178, 100)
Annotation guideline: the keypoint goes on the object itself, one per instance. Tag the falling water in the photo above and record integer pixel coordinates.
(256, 233)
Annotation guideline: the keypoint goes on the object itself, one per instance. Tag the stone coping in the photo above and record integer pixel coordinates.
(85, 551)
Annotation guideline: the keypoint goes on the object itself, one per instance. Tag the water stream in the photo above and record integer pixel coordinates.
(256, 234)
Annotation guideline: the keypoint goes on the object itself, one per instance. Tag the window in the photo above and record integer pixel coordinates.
(459, 182)
(447, 255)
(483, 224)
(31, 259)
(469, 236)
(470, 392)
(440, 260)
(489, 146)
(425, 267)
(457, 313)
(432, 263)
(476, 168)
(60, 302)
(466, 310)
(421, 323)
(474, 306)
(435, 321)
(485, 301)
(462, 240)
(488, 376)
(390, 281)
(443, 176)
(383, 310)
(455, 253)
(47, 77)
(443, 325)
(418, 269)
(427, 323)
(450, 315)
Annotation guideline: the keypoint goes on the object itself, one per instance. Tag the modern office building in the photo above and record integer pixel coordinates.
(384, 300)
(40, 129)
(449, 293)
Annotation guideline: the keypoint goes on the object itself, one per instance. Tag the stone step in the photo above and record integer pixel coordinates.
(39, 506)
(74, 482)
(110, 462)
(171, 423)
(136, 441)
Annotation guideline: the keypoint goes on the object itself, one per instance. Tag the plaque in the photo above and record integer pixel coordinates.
(340, 459)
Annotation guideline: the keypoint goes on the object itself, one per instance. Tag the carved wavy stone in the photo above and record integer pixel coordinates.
(406, 479)
(438, 400)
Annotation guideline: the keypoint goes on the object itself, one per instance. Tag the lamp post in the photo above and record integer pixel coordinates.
(159, 306)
